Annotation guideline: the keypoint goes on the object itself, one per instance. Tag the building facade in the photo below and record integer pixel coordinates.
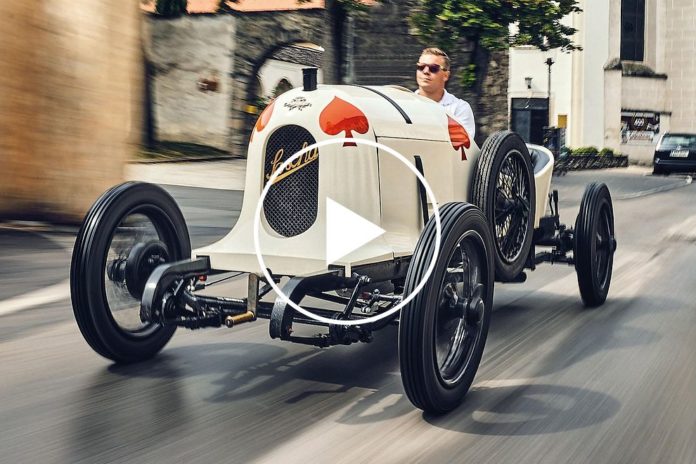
(213, 68)
(634, 80)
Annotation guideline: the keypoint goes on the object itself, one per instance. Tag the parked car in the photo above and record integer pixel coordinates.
(675, 152)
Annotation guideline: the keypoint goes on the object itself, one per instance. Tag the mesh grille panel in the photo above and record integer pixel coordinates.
(291, 204)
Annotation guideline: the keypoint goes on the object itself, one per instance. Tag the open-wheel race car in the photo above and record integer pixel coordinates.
(135, 279)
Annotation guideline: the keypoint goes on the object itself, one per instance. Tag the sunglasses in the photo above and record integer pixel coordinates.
(433, 68)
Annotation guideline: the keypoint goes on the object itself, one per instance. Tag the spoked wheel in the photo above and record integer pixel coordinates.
(129, 231)
(503, 187)
(595, 244)
(442, 331)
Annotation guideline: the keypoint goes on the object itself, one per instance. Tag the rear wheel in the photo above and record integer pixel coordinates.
(595, 244)
(442, 331)
(128, 232)
(503, 187)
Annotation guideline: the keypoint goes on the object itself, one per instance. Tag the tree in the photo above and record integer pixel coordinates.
(486, 24)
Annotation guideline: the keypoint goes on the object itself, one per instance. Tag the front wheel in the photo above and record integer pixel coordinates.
(595, 244)
(129, 231)
(443, 329)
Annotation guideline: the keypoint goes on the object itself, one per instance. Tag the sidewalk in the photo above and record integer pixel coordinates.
(34, 266)
(35, 257)
(224, 175)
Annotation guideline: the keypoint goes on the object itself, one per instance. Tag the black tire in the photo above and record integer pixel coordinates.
(437, 367)
(595, 244)
(106, 307)
(659, 171)
(503, 187)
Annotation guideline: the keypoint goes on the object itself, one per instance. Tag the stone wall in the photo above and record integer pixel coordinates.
(258, 36)
(228, 50)
(71, 79)
(191, 59)
(385, 49)
(378, 48)
(491, 105)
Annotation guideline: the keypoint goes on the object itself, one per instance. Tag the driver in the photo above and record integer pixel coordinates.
(432, 72)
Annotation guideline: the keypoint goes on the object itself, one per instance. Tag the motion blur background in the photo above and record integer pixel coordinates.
(94, 92)
(70, 85)
(87, 86)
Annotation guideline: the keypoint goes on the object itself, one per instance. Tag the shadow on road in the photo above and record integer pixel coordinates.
(236, 387)
(114, 410)
(586, 331)
(528, 410)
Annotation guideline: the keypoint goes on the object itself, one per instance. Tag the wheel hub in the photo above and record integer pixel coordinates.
(142, 260)
(474, 310)
(471, 309)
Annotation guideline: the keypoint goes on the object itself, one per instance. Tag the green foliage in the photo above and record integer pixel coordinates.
(467, 76)
(585, 151)
(487, 22)
(593, 151)
(171, 8)
(261, 103)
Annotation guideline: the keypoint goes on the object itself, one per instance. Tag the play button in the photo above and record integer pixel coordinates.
(346, 231)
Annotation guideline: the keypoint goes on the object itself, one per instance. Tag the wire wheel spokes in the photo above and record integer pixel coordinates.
(134, 229)
(604, 246)
(458, 323)
(512, 206)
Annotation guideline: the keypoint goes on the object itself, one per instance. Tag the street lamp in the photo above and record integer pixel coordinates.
(549, 62)
(528, 82)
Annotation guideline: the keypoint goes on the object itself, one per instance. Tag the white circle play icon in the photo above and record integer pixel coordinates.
(346, 231)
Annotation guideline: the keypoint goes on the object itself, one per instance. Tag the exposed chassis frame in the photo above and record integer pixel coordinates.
(169, 296)
(169, 299)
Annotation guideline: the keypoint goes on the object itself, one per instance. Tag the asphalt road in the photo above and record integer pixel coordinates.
(558, 382)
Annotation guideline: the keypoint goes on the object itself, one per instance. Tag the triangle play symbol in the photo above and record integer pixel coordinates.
(346, 231)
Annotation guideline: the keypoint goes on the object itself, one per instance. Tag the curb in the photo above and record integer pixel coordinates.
(39, 227)
(190, 159)
(663, 188)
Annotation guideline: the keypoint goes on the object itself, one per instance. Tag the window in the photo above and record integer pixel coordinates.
(632, 29)
(675, 141)
(529, 116)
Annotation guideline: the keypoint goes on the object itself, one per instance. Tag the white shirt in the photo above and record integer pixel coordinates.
(461, 111)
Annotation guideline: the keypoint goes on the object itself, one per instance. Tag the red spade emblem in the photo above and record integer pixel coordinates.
(340, 116)
(262, 122)
(458, 136)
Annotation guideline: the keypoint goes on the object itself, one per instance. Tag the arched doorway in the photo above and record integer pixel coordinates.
(281, 70)
(287, 37)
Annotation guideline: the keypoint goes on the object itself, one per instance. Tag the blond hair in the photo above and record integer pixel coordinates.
(437, 52)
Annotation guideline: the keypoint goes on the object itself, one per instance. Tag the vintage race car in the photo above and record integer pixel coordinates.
(135, 279)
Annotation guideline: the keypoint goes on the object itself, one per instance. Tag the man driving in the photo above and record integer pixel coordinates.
(432, 73)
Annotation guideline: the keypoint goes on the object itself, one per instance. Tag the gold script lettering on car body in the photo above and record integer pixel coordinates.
(301, 161)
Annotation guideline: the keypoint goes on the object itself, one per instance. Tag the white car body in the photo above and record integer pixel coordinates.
(375, 185)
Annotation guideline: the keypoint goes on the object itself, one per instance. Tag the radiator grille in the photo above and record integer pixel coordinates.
(291, 204)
